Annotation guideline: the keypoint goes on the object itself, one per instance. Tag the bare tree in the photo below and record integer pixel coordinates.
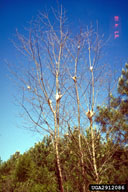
(87, 78)
(60, 84)
(44, 84)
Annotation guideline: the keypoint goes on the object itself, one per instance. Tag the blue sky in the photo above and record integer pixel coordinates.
(16, 14)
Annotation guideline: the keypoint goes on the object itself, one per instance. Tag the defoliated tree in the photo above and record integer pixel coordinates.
(44, 81)
(59, 85)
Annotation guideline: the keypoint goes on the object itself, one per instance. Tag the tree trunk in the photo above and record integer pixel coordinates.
(56, 122)
(93, 152)
(60, 178)
(80, 147)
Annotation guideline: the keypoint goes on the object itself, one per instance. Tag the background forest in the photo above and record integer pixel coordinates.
(66, 91)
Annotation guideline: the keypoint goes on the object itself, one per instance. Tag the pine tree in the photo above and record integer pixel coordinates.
(114, 118)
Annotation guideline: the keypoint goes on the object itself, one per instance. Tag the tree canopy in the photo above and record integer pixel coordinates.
(59, 84)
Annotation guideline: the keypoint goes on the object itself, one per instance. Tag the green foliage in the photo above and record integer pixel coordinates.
(35, 170)
(23, 168)
(7, 174)
(114, 118)
(123, 82)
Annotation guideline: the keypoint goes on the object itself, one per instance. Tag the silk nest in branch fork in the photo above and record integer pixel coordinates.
(74, 78)
(91, 68)
(89, 114)
(58, 97)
